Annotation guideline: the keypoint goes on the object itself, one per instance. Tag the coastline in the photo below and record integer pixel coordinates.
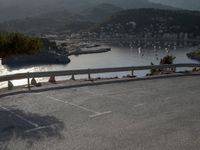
(51, 54)
(82, 52)
(194, 55)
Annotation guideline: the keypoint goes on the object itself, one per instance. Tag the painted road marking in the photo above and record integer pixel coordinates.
(40, 128)
(95, 113)
(100, 114)
(168, 98)
(72, 104)
(138, 105)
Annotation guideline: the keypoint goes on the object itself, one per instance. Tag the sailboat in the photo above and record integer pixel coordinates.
(139, 50)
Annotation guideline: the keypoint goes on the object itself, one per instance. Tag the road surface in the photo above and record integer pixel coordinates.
(160, 114)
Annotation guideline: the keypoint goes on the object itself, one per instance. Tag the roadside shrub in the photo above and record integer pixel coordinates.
(167, 60)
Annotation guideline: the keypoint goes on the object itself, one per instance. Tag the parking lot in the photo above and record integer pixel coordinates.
(140, 115)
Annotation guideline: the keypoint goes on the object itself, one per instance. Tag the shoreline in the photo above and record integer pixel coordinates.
(82, 52)
(193, 55)
(50, 58)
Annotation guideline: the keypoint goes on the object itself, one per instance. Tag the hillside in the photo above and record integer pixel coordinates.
(51, 22)
(195, 54)
(153, 23)
(12, 9)
(184, 4)
(133, 4)
(100, 12)
(62, 20)
(110, 19)
(17, 43)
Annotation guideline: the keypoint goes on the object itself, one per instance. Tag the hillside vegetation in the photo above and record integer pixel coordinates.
(184, 4)
(152, 22)
(21, 9)
(50, 22)
(60, 21)
(100, 12)
(111, 20)
(18, 43)
(195, 54)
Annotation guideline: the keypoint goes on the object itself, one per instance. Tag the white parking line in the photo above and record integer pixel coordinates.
(95, 113)
(138, 105)
(20, 117)
(168, 98)
(72, 104)
(40, 128)
(100, 114)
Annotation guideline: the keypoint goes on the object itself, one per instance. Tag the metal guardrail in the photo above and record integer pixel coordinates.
(88, 72)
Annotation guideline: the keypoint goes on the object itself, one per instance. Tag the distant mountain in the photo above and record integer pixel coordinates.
(100, 12)
(152, 23)
(184, 4)
(62, 20)
(51, 22)
(133, 4)
(19, 9)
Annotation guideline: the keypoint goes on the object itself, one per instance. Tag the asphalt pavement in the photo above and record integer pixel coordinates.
(159, 114)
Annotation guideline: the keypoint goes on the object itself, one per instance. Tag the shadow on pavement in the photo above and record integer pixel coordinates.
(13, 127)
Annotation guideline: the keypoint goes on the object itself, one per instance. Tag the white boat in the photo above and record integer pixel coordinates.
(139, 50)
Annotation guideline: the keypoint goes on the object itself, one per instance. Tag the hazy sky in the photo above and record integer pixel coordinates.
(187, 4)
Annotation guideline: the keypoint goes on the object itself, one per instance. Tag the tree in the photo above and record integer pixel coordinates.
(167, 60)
(18, 43)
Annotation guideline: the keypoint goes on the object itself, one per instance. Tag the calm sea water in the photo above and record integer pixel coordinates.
(117, 57)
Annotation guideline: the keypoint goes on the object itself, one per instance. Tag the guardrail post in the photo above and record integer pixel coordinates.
(28, 81)
(89, 75)
(10, 85)
(174, 69)
(33, 82)
(132, 73)
(73, 77)
(52, 79)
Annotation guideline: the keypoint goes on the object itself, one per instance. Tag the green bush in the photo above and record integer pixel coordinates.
(167, 60)
(197, 52)
(18, 43)
(196, 69)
